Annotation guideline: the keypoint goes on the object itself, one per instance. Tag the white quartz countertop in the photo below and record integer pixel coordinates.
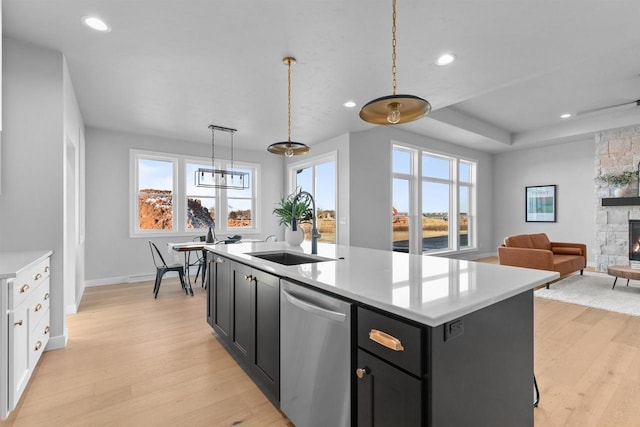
(12, 263)
(428, 289)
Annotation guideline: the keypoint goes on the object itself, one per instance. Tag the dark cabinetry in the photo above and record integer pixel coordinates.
(389, 386)
(473, 371)
(219, 292)
(245, 312)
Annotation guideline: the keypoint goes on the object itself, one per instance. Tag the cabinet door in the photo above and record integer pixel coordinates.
(387, 396)
(265, 357)
(18, 354)
(241, 312)
(220, 296)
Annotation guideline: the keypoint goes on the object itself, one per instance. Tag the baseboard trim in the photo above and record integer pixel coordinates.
(58, 342)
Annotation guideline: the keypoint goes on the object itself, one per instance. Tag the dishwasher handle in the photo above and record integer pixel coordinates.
(329, 314)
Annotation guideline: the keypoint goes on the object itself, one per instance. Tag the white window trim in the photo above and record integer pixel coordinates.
(180, 195)
(415, 189)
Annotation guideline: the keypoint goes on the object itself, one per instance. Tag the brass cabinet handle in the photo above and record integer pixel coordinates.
(37, 276)
(38, 345)
(46, 330)
(38, 307)
(219, 260)
(24, 288)
(361, 372)
(18, 323)
(386, 340)
(46, 269)
(46, 296)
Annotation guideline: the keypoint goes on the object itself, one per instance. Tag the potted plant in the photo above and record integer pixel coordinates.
(618, 181)
(284, 212)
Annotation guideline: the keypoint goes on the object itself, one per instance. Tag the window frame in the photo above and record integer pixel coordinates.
(313, 162)
(416, 182)
(180, 195)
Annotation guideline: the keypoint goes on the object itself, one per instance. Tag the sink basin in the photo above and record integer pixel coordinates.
(289, 258)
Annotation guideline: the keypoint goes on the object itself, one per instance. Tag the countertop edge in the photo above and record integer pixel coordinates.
(407, 313)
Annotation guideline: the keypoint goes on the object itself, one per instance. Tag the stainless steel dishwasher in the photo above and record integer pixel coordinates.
(315, 357)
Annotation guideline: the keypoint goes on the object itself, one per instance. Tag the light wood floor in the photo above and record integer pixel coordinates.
(135, 361)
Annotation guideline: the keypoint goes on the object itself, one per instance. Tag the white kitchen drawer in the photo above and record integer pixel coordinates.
(38, 304)
(38, 339)
(27, 281)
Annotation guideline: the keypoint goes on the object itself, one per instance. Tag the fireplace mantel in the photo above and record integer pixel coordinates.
(620, 201)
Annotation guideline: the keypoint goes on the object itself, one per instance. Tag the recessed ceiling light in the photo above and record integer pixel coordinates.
(446, 59)
(565, 116)
(95, 23)
(349, 104)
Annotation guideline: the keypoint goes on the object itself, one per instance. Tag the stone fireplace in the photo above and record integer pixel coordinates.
(616, 151)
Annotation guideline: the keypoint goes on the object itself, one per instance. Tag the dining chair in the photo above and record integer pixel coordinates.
(201, 261)
(162, 268)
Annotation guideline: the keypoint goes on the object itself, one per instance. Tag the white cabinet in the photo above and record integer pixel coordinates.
(24, 300)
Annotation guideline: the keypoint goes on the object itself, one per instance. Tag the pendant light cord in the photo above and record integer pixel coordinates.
(393, 46)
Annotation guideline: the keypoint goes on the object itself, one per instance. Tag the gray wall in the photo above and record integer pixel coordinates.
(370, 186)
(111, 255)
(570, 166)
(31, 203)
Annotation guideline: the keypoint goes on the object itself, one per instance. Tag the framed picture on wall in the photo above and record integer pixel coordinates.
(540, 203)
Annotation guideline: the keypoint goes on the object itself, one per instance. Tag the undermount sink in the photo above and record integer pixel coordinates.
(288, 258)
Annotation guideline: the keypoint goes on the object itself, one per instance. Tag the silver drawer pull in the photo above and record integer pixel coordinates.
(38, 307)
(386, 340)
(248, 278)
(37, 276)
(46, 330)
(46, 296)
(24, 288)
(38, 346)
(46, 269)
(18, 323)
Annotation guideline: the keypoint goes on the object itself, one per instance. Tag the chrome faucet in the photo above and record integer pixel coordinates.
(294, 221)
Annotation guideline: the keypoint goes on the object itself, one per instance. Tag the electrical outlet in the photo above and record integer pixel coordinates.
(453, 329)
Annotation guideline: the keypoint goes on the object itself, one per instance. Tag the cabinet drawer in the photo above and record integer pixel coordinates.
(38, 339)
(392, 340)
(38, 303)
(27, 281)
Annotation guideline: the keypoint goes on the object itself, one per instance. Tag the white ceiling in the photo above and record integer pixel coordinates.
(171, 68)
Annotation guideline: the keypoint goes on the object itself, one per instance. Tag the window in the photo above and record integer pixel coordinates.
(318, 177)
(437, 192)
(155, 193)
(169, 202)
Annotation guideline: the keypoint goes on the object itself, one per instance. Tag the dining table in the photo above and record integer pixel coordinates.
(187, 248)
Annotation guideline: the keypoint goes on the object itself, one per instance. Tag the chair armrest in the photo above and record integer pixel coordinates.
(539, 259)
(581, 246)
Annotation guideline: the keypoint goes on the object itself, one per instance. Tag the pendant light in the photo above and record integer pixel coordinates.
(289, 148)
(221, 178)
(394, 109)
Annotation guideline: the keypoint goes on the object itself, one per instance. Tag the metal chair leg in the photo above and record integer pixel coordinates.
(535, 384)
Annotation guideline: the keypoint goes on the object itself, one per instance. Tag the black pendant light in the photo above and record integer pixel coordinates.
(289, 148)
(394, 109)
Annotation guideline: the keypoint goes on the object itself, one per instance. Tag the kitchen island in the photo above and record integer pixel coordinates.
(448, 342)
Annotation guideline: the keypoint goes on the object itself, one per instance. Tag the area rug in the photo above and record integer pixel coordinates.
(594, 290)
